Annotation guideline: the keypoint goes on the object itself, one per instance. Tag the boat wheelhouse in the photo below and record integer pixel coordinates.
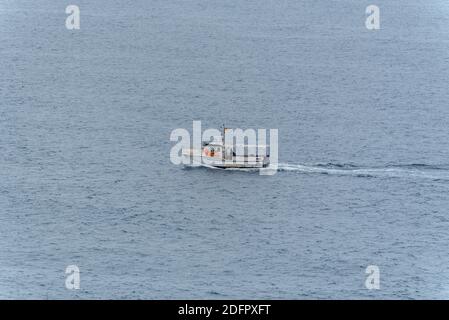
(217, 154)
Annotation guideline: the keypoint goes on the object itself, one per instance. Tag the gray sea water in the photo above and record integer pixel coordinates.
(86, 179)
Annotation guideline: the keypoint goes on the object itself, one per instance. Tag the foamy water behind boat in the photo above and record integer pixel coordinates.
(412, 171)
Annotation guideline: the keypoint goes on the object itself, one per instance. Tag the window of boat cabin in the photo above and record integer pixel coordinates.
(215, 148)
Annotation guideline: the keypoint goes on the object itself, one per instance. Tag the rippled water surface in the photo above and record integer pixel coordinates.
(85, 175)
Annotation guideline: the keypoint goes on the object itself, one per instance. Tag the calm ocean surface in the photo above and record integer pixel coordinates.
(86, 179)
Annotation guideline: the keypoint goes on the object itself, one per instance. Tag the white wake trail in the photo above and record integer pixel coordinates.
(405, 171)
(398, 171)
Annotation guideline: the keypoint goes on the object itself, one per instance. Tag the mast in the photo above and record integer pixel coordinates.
(223, 152)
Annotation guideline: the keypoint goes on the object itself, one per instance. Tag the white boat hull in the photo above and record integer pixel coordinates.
(195, 157)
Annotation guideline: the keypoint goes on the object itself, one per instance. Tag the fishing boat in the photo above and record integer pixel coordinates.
(217, 154)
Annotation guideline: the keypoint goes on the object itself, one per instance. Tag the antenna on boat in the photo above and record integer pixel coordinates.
(223, 150)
